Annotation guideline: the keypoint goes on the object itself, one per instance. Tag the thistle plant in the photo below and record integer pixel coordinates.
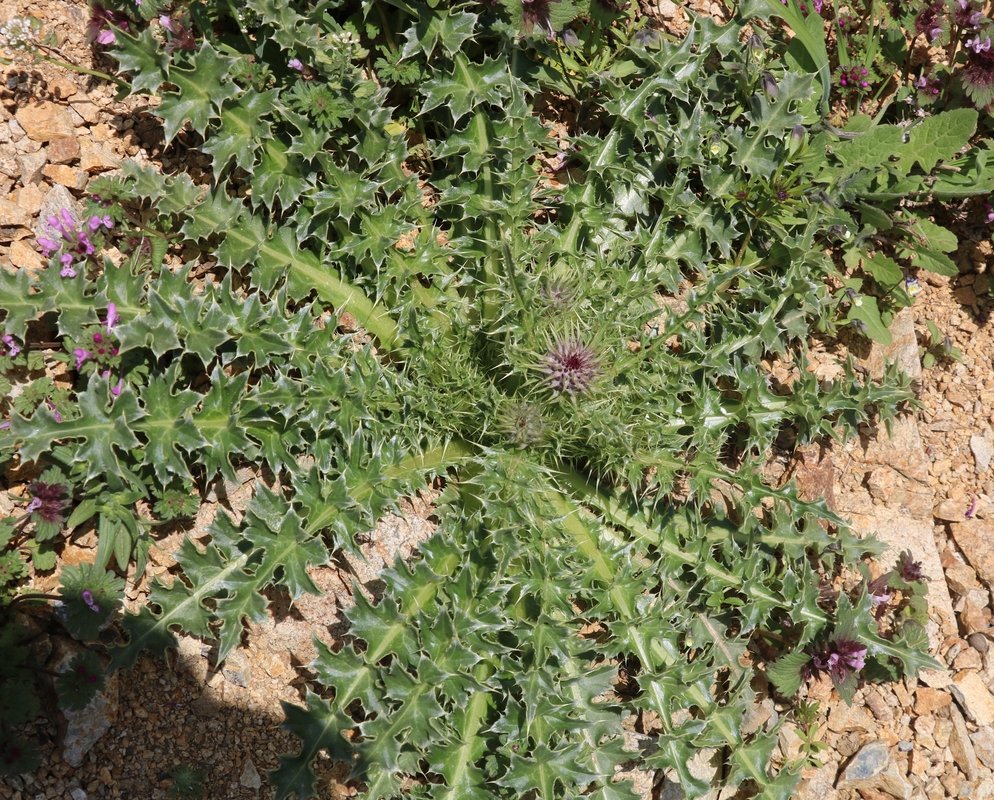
(417, 287)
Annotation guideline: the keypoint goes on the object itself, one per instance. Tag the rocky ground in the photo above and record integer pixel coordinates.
(928, 487)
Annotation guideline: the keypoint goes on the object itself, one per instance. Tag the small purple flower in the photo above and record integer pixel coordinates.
(295, 63)
(111, 316)
(54, 410)
(879, 589)
(570, 367)
(116, 390)
(81, 356)
(67, 271)
(87, 596)
(978, 45)
(989, 210)
(971, 510)
(49, 246)
(13, 348)
(34, 505)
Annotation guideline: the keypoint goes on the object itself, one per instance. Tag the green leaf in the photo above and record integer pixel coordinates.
(785, 672)
(318, 727)
(937, 138)
(883, 270)
(200, 91)
(104, 428)
(864, 308)
(467, 86)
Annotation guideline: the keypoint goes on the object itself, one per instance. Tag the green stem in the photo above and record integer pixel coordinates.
(44, 53)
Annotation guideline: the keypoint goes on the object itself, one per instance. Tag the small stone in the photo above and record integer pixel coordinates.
(16, 131)
(45, 121)
(951, 510)
(63, 150)
(974, 697)
(90, 112)
(869, 762)
(961, 747)
(979, 642)
(13, 216)
(23, 256)
(70, 177)
(817, 784)
(29, 198)
(960, 577)
(975, 539)
(982, 740)
(919, 763)
(63, 88)
(928, 700)
(31, 166)
(983, 452)
(968, 659)
(250, 776)
(905, 746)
(96, 157)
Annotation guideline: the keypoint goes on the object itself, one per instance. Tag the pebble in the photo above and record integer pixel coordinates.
(868, 763)
(961, 747)
(983, 452)
(974, 697)
(77, 794)
(250, 776)
(983, 745)
(979, 642)
(905, 746)
(952, 510)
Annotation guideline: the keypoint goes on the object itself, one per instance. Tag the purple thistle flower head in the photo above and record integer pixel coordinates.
(570, 367)
(909, 569)
(536, 14)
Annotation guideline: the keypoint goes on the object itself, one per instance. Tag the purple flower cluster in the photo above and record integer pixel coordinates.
(930, 21)
(99, 27)
(853, 79)
(48, 500)
(103, 349)
(10, 347)
(840, 658)
(75, 240)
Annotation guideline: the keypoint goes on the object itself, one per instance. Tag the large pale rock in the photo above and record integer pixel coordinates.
(70, 177)
(974, 697)
(975, 539)
(45, 121)
(872, 768)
